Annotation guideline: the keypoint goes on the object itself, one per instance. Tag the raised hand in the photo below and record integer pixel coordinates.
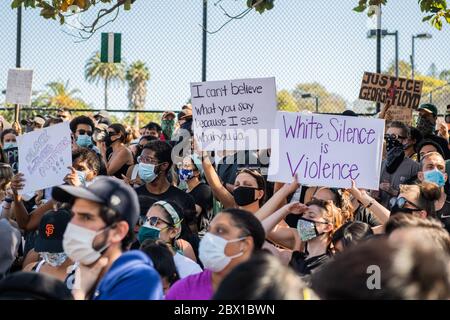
(72, 178)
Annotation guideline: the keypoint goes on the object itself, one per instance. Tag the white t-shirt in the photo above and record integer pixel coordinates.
(185, 266)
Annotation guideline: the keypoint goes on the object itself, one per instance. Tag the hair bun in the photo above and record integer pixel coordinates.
(430, 191)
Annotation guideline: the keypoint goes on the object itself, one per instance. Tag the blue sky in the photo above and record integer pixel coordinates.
(298, 41)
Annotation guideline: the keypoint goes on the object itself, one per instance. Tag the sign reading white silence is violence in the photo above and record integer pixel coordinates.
(44, 156)
(327, 150)
(234, 114)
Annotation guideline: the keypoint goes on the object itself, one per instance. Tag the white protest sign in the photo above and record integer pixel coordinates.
(18, 87)
(234, 114)
(327, 150)
(44, 156)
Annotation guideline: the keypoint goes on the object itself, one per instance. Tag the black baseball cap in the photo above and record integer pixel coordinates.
(51, 231)
(108, 191)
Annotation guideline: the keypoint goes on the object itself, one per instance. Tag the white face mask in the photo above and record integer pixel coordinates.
(77, 244)
(212, 252)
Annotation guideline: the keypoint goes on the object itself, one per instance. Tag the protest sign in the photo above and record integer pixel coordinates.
(399, 114)
(401, 92)
(18, 87)
(327, 150)
(235, 114)
(12, 154)
(44, 156)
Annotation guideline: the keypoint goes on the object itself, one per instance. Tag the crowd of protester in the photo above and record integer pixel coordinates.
(144, 214)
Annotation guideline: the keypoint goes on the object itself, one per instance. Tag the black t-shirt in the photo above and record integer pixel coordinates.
(364, 215)
(444, 215)
(203, 197)
(304, 265)
(181, 198)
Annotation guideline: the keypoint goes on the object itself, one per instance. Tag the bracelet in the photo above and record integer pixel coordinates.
(369, 205)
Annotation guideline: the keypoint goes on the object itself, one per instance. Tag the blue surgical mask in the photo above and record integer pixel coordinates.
(435, 176)
(9, 145)
(185, 174)
(146, 172)
(84, 140)
(81, 177)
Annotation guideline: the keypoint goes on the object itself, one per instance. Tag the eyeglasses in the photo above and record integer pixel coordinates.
(393, 136)
(398, 205)
(141, 159)
(83, 132)
(153, 221)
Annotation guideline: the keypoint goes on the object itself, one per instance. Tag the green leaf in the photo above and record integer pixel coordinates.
(427, 18)
(16, 3)
(360, 8)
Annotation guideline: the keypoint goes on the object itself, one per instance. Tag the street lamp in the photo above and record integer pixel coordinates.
(417, 36)
(372, 34)
(311, 96)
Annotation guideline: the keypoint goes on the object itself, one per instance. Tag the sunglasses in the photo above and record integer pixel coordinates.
(393, 136)
(83, 132)
(398, 205)
(153, 221)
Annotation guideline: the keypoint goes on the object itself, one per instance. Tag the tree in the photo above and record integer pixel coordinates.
(436, 10)
(96, 71)
(137, 76)
(404, 69)
(286, 102)
(328, 102)
(445, 75)
(432, 71)
(58, 95)
(61, 9)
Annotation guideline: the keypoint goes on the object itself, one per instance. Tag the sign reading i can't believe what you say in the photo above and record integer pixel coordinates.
(400, 92)
(234, 114)
(327, 150)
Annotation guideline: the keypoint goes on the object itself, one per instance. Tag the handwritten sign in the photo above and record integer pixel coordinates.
(18, 88)
(327, 150)
(399, 114)
(44, 156)
(12, 154)
(401, 92)
(234, 115)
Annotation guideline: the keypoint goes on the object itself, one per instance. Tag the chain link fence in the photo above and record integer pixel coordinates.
(317, 50)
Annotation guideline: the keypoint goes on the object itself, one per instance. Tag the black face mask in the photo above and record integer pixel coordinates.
(425, 126)
(392, 143)
(108, 141)
(244, 195)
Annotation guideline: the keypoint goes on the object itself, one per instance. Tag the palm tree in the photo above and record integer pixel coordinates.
(96, 71)
(137, 76)
(59, 94)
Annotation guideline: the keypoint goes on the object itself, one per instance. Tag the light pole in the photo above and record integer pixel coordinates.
(316, 98)
(414, 37)
(205, 26)
(371, 34)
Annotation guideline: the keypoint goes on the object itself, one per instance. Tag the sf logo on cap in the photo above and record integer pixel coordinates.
(49, 228)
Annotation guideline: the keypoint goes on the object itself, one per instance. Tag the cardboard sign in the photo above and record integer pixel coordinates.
(327, 150)
(44, 156)
(401, 92)
(399, 114)
(234, 115)
(18, 88)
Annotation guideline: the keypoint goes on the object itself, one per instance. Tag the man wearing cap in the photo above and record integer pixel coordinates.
(34, 124)
(49, 245)
(98, 236)
(426, 124)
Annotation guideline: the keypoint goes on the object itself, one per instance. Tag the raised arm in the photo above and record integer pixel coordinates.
(277, 200)
(380, 212)
(219, 191)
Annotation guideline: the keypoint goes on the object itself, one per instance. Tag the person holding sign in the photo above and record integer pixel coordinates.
(309, 243)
